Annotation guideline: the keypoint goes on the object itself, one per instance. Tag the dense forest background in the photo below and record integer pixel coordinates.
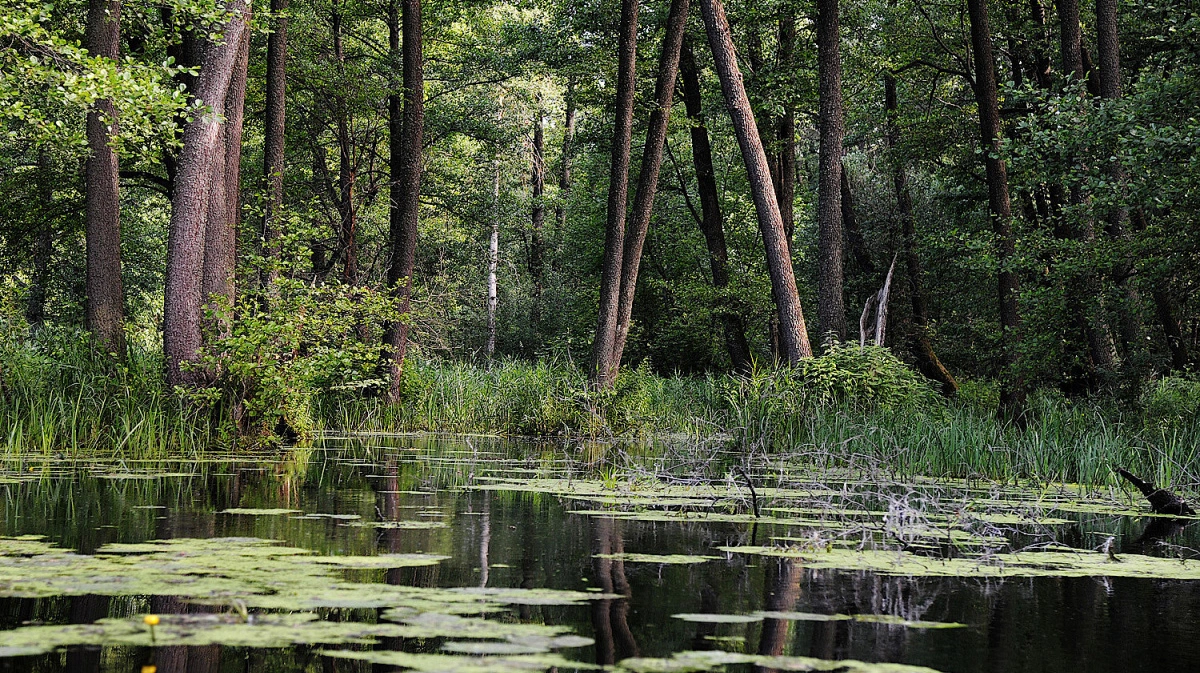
(1019, 177)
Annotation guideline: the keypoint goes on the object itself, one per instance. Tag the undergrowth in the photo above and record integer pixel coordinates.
(843, 409)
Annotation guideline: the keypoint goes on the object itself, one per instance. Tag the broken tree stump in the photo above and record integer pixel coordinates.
(1161, 500)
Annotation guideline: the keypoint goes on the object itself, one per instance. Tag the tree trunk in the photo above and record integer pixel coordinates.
(793, 333)
(919, 342)
(711, 224)
(202, 150)
(831, 309)
(493, 297)
(43, 249)
(1012, 387)
(604, 372)
(652, 154)
(406, 191)
(220, 231)
(1109, 53)
(105, 314)
(537, 215)
(347, 173)
(564, 174)
(785, 131)
(273, 146)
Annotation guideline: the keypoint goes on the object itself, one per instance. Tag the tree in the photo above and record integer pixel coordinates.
(831, 307)
(537, 214)
(105, 293)
(652, 155)
(1012, 391)
(203, 151)
(920, 344)
(274, 124)
(405, 191)
(793, 333)
(604, 370)
(711, 221)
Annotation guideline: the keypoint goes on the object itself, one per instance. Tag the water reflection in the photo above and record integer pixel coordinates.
(531, 540)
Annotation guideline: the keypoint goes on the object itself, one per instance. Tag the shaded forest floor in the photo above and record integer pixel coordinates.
(845, 409)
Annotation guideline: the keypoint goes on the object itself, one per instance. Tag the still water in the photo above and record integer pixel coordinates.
(445, 497)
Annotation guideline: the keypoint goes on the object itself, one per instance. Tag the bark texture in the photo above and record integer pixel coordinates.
(224, 207)
(604, 371)
(831, 308)
(406, 191)
(1012, 390)
(711, 220)
(793, 333)
(652, 156)
(274, 125)
(203, 149)
(105, 311)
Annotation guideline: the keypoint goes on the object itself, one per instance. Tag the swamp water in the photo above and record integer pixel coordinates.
(439, 554)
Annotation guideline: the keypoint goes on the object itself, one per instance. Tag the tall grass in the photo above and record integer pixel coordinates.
(58, 396)
(844, 409)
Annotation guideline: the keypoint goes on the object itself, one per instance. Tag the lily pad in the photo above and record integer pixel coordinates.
(249, 511)
(716, 660)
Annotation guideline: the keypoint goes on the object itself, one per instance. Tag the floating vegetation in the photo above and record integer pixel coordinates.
(666, 559)
(249, 511)
(890, 620)
(1050, 563)
(398, 525)
(717, 660)
(447, 663)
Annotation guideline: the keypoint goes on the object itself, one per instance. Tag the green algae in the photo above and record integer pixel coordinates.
(666, 559)
(398, 525)
(450, 663)
(196, 630)
(382, 561)
(716, 660)
(713, 618)
(1056, 563)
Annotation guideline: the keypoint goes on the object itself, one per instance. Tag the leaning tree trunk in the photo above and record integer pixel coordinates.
(643, 200)
(273, 146)
(793, 333)
(711, 224)
(785, 130)
(201, 154)
(105, 314)
(831, 308)
(604, 372)
(919, 342)
(406, 191)
(1012, 390)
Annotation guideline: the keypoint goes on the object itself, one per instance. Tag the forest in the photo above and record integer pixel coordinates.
(234, 223)
(643, 336)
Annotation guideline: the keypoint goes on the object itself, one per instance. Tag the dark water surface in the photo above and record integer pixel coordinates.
(498, 538)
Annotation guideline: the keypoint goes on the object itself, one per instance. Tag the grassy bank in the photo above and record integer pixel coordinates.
(843, 409)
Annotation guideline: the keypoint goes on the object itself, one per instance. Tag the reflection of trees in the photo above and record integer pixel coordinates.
(781, 587)
(610, 618)
(86, 610)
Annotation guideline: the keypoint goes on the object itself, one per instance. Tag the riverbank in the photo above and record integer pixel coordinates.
(844, 409)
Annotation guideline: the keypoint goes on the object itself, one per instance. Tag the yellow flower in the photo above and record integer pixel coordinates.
(150, 620)
(149, 669)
